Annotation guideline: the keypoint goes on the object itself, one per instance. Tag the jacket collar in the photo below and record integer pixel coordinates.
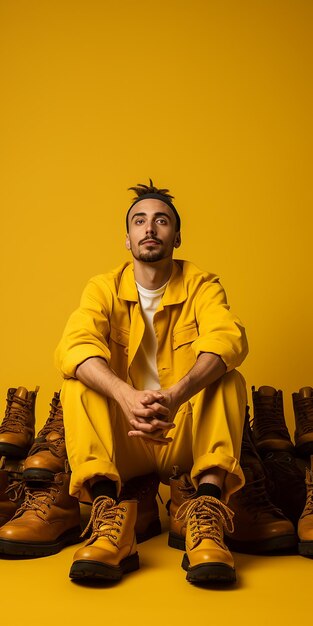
(175, 291)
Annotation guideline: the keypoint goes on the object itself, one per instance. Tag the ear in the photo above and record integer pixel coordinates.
(177, 241)
(127, 242)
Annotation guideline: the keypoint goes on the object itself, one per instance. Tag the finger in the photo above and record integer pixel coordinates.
(148, 414)
(155, 440)
(150, 395)
(150, 427)
(152, 410)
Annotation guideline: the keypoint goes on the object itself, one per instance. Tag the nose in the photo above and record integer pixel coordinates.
(150, 227)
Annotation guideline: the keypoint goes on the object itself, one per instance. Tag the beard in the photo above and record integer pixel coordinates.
(150, 256)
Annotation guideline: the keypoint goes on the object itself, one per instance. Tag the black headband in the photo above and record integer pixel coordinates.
(156, 196)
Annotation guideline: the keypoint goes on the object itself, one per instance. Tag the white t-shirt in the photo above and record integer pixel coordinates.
(146, 368)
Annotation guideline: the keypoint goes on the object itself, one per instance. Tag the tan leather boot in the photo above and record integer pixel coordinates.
(47, 455)
(17, 430)
(47, 521)
(303, 410)
(181, 490)
(11, 490)
(144, 489)
(207, 558)
(111, 550)
(305, 524)
(269, 427)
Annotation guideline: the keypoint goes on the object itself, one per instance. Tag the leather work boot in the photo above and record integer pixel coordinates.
(286, 486)
(303, 410)
(111, 550)
(259, 526)
(17, 430)
(47, 455)
(47, 521)
(144, 489)
(181, 490)
(305, 525)
(269, 427)
(11, 490)
(207, 558)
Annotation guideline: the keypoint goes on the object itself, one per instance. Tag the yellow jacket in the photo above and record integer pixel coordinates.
(193, 317)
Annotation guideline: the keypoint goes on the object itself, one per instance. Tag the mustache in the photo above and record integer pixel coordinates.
(150, 239)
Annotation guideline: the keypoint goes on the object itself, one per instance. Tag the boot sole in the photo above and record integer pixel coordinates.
(153, 530)
(209, 572)
(176, 541)
(40, 548)
(12, 451)
(102, 571)
(274, 544)
(305, 548)
(39, 474)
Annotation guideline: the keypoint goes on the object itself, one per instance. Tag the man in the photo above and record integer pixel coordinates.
(148, 361)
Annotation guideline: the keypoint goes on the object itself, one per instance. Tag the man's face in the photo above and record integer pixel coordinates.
(152, 232)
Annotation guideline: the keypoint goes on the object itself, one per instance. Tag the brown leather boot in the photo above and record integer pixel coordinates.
(286, 486)
(303, 410)
(207, 558)
(11, 490)
(47, 521)
(144, 489)
(269, 427)
(305, 525)
(259, 526)
(47, 455)
(181, 490)
(111, 550)
(17, 430)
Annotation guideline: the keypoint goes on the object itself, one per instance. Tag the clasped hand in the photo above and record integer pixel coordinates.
(150, 414)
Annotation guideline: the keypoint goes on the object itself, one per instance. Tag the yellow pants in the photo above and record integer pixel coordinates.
(208, 433)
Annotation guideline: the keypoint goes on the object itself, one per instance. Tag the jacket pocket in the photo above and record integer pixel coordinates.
(120, 336)
(185, 334)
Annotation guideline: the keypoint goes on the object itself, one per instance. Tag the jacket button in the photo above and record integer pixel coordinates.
(126, 351)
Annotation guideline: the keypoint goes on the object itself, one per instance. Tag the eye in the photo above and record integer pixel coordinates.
(161, 220)
(139, 220)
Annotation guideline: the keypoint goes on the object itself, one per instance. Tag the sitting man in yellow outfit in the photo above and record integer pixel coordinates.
(149, 353)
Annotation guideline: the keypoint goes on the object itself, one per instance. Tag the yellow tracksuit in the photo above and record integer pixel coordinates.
(193, 317)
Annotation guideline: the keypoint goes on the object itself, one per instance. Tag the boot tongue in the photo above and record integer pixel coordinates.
(22, 393)
(306, 392)
(265, 390)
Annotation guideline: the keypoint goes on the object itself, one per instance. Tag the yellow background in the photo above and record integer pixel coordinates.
(210, 98)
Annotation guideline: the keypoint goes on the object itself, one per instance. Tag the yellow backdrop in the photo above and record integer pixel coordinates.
(210, 98)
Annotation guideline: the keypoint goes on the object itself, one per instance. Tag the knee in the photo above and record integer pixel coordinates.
(74, 390)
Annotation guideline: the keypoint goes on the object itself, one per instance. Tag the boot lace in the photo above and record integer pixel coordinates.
(54, 423)
(15, 491)
(15, 415)
(304, 414)
(205, 515)
(186, 489)
(38, 499)
(105, 520)
(255, 497)
(269, 416)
